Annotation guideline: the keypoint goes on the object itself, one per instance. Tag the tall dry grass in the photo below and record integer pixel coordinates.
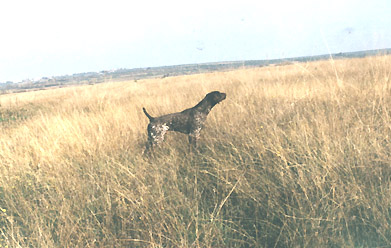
(296, 156)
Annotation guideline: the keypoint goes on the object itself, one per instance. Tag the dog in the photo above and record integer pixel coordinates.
(189, 121)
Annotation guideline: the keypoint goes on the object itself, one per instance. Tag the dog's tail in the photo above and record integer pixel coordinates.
(149, 117)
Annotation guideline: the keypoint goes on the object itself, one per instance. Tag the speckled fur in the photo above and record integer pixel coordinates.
(189, 121)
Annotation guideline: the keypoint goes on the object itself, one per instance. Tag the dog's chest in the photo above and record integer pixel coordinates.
(199, 118)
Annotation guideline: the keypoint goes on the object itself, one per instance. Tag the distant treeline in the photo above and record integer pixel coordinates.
(166, 71)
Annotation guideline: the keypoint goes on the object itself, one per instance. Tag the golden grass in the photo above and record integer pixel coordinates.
(296, 156)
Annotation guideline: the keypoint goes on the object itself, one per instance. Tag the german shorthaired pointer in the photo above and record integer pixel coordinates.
(189, 121)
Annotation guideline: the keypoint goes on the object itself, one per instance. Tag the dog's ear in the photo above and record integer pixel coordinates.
(215, 97)
(219, 96)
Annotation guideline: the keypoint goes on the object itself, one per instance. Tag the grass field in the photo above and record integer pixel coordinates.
(296, 156)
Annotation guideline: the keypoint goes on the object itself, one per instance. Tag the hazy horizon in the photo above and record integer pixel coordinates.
(47, 38)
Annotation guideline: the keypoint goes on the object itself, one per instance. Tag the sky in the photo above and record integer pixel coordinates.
(44, 38)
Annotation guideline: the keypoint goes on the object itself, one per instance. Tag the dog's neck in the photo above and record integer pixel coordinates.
(204, 106)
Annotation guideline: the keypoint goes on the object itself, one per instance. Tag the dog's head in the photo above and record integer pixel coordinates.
(215, 97)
